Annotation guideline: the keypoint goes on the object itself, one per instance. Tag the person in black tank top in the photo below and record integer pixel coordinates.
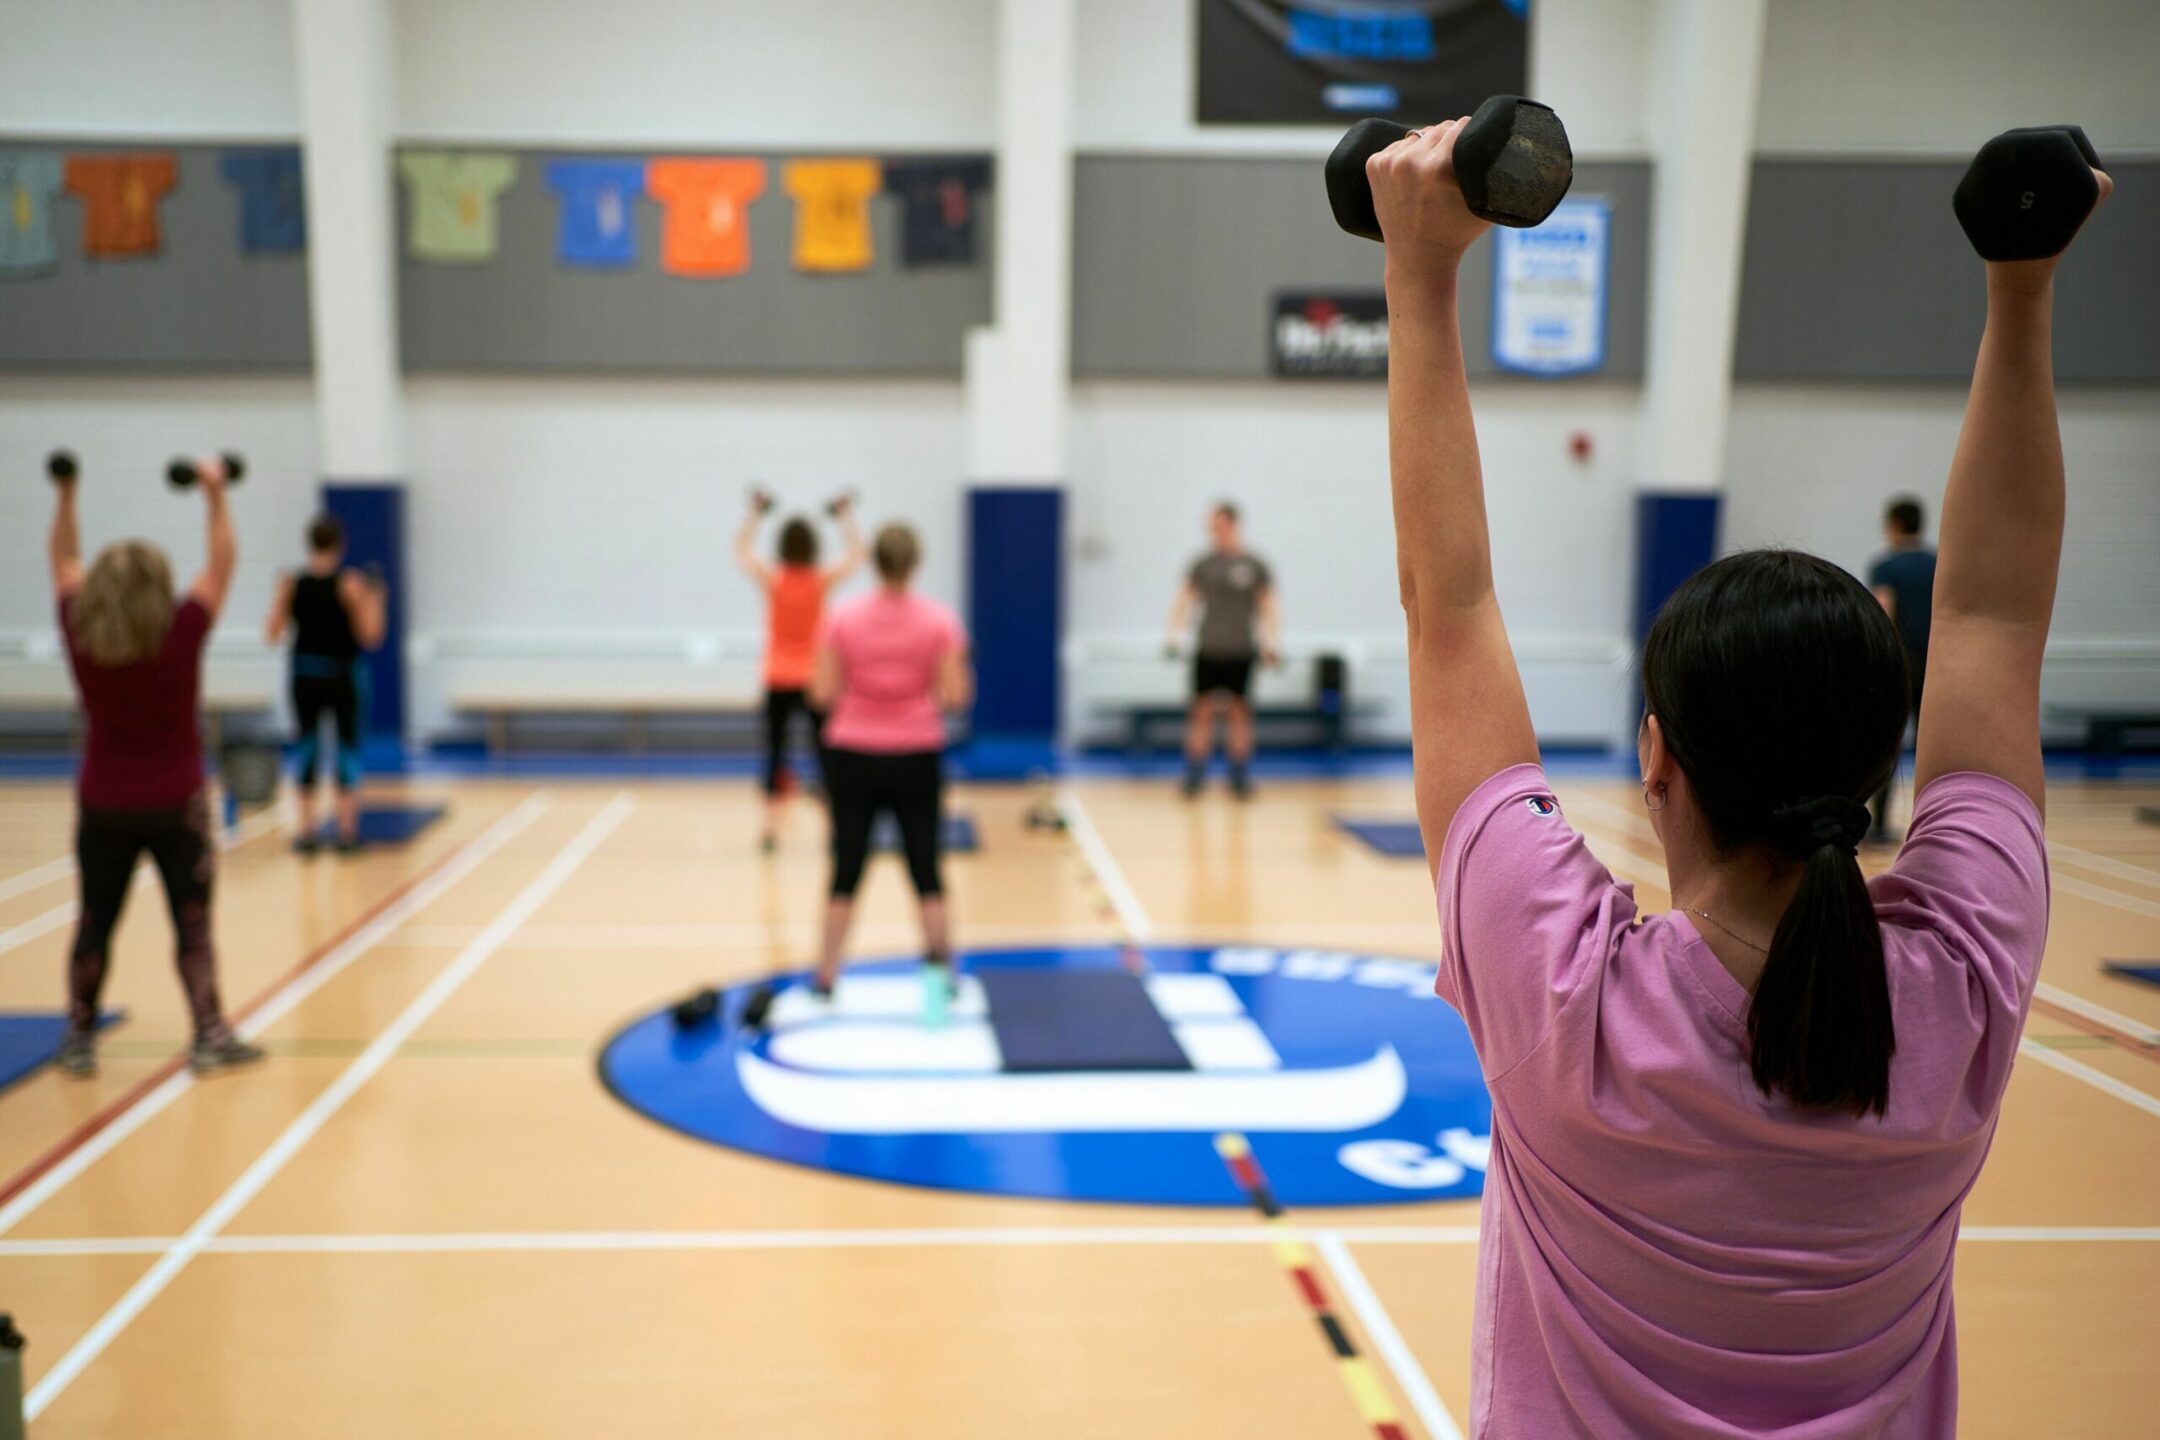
(333, 614)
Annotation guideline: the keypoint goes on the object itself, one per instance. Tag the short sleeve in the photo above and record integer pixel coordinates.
(1527, 915)
(159, 173)
(1973, 873)
(1196, 573)
(494, 173)
(1266, 580)
(190, 626)
(1879, 572)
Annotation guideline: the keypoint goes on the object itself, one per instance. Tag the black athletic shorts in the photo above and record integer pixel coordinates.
(1217, 675)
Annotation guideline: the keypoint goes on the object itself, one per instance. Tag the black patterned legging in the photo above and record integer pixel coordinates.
(107, 845)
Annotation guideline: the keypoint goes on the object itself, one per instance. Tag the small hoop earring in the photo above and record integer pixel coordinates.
(1653, 809)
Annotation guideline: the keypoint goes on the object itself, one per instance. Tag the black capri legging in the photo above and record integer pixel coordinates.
(781, 708)
(331, 692)
(912, 787)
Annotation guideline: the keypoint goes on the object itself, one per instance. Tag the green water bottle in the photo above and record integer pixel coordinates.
(11, 1343)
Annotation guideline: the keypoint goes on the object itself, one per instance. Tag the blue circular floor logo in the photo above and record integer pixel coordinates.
(1059, 1073)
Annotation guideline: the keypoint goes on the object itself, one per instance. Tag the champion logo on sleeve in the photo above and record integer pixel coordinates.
(1542, 805)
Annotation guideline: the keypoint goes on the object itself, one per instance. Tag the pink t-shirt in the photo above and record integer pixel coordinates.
(1663, 1249)
(889, 647)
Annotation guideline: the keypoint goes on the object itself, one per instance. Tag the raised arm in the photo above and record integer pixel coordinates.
(746, 548)
(280, 616)
(221, 551)
(366, 600)
(2001, 541)
(851, 545)
(63, 546)
(1467, 713)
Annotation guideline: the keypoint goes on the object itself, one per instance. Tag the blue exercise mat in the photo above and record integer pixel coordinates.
(958, 837)
(1397, 839)
(2145, 970)
(1096, 1019)
(28, 1041)
(386, 824)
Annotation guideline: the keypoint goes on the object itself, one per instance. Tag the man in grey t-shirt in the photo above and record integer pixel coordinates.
(1239, 624)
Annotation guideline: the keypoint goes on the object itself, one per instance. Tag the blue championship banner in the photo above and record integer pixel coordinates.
(1548, 314)
(1317, 62)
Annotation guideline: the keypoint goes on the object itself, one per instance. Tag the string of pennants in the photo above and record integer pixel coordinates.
(452, 199)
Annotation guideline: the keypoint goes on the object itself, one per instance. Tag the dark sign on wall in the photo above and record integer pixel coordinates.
(1329, 337)
(1312, 62)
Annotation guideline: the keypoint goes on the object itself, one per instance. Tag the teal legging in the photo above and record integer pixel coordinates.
(333, 689)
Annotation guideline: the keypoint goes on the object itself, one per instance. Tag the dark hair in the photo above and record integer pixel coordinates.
(1905, 513)
(798, 542)
(1226, 510)
(896, 552)
(325, 533)
(1780, 688)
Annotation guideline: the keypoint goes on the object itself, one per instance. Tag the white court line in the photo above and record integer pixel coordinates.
(44, 874)
(2099, 1079)
(2099, 1014)
(64, 914)
(2103, 864)
(1130, 912)
(318, 1113)
(1410, 1377)
(1043, 1237)
(321, 973)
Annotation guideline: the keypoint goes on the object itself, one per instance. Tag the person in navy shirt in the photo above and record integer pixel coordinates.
(1904, 581)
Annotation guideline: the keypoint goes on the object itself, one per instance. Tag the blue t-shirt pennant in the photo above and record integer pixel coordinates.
(273, 203)
(28, 182)
(598, 199)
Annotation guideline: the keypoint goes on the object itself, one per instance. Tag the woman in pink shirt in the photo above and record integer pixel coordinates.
(890, 665)
(1731, 1142)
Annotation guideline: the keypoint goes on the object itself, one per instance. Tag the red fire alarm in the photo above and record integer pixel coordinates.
(1578, 445)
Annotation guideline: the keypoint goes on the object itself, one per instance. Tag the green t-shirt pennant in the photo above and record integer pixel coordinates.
(450, 202)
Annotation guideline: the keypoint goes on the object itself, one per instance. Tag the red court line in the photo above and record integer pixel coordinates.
(84, 1133)
(2095, 1030)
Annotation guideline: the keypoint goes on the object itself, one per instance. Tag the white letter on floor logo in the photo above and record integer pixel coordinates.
(1407, 1165)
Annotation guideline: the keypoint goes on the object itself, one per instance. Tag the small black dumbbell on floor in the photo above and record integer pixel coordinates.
(698, 1010)
(61, 467)
(1512, 160)
(2027, 191)
(183, 475)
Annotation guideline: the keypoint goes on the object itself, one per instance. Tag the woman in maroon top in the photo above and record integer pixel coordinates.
(137, 659)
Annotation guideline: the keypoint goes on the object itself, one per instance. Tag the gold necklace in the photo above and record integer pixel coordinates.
(1760, 950)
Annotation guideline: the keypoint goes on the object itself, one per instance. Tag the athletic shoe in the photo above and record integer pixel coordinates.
(1241, 784)
(348, 847)
(209, 1055)
(307, 844)
(767, 844)
(77, 1057)
(938, 989)
(1193, 781)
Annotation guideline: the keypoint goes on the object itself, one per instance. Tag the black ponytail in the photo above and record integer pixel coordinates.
(1780, 688)
(1819, 1027)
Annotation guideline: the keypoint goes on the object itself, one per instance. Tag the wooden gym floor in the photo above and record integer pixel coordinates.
(424, 1217)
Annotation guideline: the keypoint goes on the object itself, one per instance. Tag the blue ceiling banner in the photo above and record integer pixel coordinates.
(1352, 1082)
(1315, 62)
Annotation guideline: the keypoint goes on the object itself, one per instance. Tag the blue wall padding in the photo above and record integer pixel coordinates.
(1016, 587)
(957, 839)
(1397, 839)
(388, 824)
(28, 1041)
(2145, 970)
(374, 519)
(1675, 535)
(1100, 1019)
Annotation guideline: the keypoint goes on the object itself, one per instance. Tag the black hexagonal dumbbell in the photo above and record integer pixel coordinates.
(1512, 160)
(182, 475)
(2027, 191)
(61, 467)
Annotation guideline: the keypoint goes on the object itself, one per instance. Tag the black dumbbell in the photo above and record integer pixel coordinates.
(181, 472)
(2027, 191)
(61, 467)
(1512, 161)
(697, 1010)
(839, 503)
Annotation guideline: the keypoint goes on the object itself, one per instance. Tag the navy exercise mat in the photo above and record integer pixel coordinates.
(387, 824)
(1397, 839)
(958, 839)
(2145, 970)
(28, 1041)
(1103, 1019)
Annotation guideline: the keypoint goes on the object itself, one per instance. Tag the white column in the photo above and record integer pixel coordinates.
(346, 102)
(1019, 367)
(1705, 69)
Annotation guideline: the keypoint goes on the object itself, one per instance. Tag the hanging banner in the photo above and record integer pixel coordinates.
(1329, 337)
(1549, 291)
(1319, 62)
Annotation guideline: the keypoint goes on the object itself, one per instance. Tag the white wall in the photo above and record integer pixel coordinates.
(197, 69)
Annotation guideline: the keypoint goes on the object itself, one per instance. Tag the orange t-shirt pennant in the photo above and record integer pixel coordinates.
(705, 229)
(120, 195)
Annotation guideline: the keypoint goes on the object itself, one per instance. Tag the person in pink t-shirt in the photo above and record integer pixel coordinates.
(890, 665)
(1731, 1142)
